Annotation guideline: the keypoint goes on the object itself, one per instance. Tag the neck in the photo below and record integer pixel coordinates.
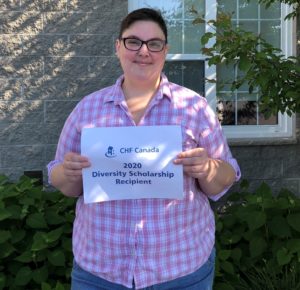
(133, 89)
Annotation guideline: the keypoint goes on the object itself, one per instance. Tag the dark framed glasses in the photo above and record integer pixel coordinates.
(135, 44)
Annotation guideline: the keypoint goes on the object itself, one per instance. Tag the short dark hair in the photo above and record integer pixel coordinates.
(146, 14)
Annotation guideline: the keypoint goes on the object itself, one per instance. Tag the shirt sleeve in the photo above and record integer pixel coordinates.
(69, 141)
(211, 137)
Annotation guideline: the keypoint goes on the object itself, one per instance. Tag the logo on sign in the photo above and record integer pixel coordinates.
(110, 152)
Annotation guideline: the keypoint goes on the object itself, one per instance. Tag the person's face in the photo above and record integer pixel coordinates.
(143, 64)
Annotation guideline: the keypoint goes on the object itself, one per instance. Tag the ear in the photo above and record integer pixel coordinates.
(117, 46)
(167, 47)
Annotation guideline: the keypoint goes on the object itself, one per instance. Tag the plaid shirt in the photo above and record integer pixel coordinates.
(150, 240)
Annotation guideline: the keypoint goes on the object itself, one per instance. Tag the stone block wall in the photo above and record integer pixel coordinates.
(52, 53)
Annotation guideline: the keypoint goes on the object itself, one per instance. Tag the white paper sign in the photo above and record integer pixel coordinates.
(132, 163)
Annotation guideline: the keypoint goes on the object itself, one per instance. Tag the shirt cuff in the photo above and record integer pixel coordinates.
(237, 170)
(50, 167)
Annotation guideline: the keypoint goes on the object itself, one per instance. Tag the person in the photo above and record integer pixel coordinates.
(146, 243)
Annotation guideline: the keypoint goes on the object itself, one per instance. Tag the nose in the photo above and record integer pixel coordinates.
(143, 49)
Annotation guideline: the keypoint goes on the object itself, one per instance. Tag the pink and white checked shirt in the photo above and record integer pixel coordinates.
(150, 240)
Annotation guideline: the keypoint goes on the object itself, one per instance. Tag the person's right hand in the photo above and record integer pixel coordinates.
(73, 164)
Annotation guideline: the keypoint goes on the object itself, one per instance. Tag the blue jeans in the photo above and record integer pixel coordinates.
(202, 279)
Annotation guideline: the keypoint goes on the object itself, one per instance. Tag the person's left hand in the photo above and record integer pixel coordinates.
(195, 162)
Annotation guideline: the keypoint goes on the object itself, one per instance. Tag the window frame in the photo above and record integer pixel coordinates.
(285, 129)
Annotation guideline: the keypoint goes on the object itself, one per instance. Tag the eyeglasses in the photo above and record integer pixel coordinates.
(135, 44)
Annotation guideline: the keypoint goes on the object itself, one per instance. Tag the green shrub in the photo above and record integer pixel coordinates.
(35, 236)
(258, 240)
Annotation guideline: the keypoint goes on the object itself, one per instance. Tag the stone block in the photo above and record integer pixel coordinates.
(81, 87)
(260, 169)
(44, 5)
(21, 67)
(66, 67)
(47, 88)
(50, 153)
(13, 174)
(10, 89)
(104, 21)
(10, 44)
(21, 111)
(55, 88)
(104, 66)
(22, 134)
(52, 132)
(32, 5)
(292, 185)
(9, 5)
(259, 152)
(58, 111)
(96, 5)
(55, 5)
(34, 134)
(11, 134)
(291, 167)
(26, 157)
(60, 22)
(91, 45)
(21, 22)
(46, 45)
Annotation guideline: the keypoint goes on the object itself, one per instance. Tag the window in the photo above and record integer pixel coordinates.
(238, 111)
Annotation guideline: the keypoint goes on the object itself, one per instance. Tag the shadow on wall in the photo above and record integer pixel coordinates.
(52, 53)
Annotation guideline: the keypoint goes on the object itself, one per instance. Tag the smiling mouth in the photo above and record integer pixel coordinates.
(142, 63)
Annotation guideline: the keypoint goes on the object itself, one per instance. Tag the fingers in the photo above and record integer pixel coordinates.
(74, 163)
(195, 162)
(192, 157)
(195, 152)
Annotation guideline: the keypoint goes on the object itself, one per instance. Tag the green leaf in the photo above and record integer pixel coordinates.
(57, 258)
(244, 63)
(256, 219)
(4, 214)
(39, 241)
(5, 250)
(224, 254)
(36, 221)
(27, 200)
(23, 276)
(46, 286)
(59, 286)
(227, 267)
(283, 256)
(294, 221)
(279, 227)
(4, 236)
(54, 235)
(15, 211)
(236, 254)
(257, 246)
(293, 245)
(17, 236)
(40, 275)
(223, 286)
(198, 20)
(25, 257)
(2, 281)
(53, 218)
(206, 37)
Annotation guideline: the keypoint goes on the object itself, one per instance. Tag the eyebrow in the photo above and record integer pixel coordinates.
(135, 37)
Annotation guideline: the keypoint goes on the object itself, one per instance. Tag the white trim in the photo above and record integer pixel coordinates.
(210, 72)
(285, 129)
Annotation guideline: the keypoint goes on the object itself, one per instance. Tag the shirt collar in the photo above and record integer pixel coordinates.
(117, 94)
